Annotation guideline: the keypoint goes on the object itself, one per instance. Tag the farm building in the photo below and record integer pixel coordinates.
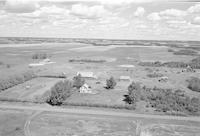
(41, 63)
(86, 74)
(124, 78)
(85, 89)
(188, 69)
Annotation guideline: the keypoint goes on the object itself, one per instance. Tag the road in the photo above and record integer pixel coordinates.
(93, 111)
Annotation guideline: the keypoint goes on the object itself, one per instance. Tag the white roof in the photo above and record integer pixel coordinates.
(125, 77)
(164, 77)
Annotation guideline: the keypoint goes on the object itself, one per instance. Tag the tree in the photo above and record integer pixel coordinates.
(78, 81)
(111, 83)
(194, 84)
(134, 93)
(60, 92)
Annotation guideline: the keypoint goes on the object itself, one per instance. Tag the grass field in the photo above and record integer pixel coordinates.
(50, 124)
(12, 122)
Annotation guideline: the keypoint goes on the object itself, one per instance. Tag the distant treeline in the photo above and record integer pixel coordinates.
(16, 79)
(188, 52)
(87, 60)
(194, 63)
(40, 56)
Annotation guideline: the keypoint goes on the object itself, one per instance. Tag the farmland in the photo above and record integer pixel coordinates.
(110, 59)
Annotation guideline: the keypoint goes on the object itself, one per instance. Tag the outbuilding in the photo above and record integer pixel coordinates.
(124, 78)
(86, 74)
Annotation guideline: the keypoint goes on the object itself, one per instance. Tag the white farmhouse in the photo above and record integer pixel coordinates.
(85, 89)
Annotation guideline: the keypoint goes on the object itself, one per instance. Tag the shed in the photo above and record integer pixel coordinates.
(86, 74)
(124, 78)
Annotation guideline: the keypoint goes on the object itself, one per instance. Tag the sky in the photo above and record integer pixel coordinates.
(107, 19)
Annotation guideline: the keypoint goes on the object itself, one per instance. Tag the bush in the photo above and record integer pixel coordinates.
(78, 81)
(194, 84)
(39, 56)
(110, 83)
(134, 93)
(60, 92)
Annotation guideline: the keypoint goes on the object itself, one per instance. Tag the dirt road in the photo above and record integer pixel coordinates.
(93, 111)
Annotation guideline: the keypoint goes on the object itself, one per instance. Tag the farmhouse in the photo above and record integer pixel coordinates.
(124, 78)
(85, 89)
(86, 74)
(163, 79)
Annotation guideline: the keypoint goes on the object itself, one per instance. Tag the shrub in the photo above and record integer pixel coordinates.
(39, 56)
(111, 83)
(60, 92)
(78, 81)
(134, 93)
(194, 84)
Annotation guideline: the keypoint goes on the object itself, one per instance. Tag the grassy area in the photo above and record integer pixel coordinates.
(55, 124)
(12, 123)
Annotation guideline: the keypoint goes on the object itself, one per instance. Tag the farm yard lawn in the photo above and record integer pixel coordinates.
(102, 96)
(30, 90)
